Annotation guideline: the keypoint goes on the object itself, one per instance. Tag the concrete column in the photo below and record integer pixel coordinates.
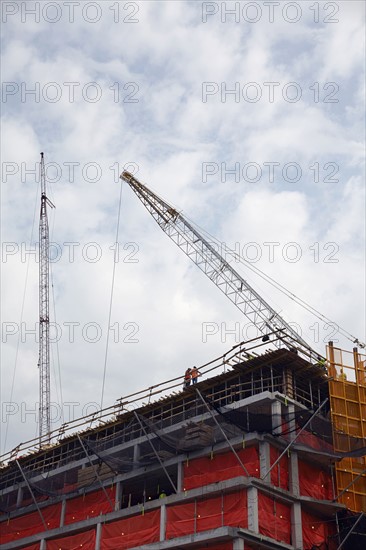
(264, 460)
(292, 423)
(276, 417)
(294, 474)
(296, 526)
(180, 477)
(19, 496)
(117, 502)
(98, 536)
(162, 522)
(136, 453)
(253, 524)
(63, 511)
(238, 544)
(42, 545)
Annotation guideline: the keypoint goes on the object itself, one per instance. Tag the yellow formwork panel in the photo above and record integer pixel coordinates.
(347, 391)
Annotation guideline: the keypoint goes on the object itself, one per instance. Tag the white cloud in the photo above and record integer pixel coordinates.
(169, 133)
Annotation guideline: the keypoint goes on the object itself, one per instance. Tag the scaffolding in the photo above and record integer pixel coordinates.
(347, 392)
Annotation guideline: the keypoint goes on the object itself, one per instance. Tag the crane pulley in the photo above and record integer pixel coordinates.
(221, 273)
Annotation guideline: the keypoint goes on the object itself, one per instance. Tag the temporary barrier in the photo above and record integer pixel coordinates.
(314, 482)
(347, 389)
(30, 524)
(202, 515)
(279, 474)
(132, 531)
(85, 540)
(274, 518)
(315, 531)
(89, 505)
(203, 471)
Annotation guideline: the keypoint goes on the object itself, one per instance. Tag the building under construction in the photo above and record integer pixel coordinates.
(266, 451)
(269, 453)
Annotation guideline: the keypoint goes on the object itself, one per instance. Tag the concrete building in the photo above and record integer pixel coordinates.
(244, 459)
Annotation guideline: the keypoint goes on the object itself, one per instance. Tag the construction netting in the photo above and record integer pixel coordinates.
(131, 532)
(279, 474)
(85, 540)
(317, 533)
(218, 467)
(90, 505)
(274, 518)
(77, 509)
(194, 517)
(314, 481)
(30, 524)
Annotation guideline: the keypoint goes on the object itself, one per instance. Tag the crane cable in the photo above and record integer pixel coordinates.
(111, 295)
(57, 346)
(21, 320)
(279, 287)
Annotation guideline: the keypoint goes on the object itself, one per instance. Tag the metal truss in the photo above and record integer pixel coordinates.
(217, 269)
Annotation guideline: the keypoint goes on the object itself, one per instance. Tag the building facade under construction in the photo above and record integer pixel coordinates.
(266, 451)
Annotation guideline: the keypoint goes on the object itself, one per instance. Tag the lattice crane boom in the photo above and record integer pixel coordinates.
(44, 318)
(221, 273)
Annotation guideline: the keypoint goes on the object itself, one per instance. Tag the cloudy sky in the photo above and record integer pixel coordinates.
(247, 116)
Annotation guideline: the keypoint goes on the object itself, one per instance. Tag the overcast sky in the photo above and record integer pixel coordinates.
(248, 117)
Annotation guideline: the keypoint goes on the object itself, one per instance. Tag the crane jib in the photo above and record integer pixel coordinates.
(215, 267)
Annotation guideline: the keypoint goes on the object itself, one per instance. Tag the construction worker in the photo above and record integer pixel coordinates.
(195, 373)
(342, 375)
(187, 378)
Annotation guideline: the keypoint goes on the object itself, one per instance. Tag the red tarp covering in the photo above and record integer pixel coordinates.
(130, 532)
(314, 530)
(185, 519)
(30, 524)
(89, 505)
(203, 471)
(82, 540)
(279, 474)
(32, 547)
(311, 440)
(314, 482)
(274, 519)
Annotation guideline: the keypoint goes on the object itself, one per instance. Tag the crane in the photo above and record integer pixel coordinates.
(44, 318)
(221, 273)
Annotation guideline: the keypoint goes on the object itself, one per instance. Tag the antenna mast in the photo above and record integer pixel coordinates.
(44, 319)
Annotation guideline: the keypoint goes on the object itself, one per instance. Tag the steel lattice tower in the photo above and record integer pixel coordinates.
(44, 319)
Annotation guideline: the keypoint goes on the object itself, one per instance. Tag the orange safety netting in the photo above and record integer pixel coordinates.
(229, 509)
(84, 540)
(30, 524)
(314, 482)
(279, 474)
(89, 505)
(274, 518)
(130, 532)
(315, 531)
(203, 471)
